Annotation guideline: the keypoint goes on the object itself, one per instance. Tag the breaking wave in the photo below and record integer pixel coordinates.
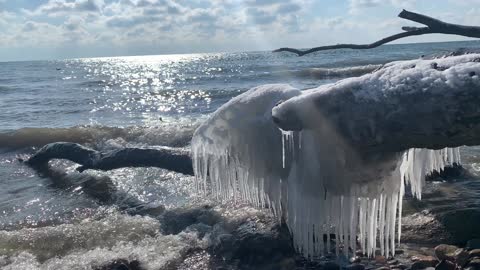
(166, 135)
(93, 243)
(325, 73)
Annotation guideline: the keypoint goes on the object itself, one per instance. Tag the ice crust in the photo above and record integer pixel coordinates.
(313, 179)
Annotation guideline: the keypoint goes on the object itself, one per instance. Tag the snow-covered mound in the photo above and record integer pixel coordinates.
(347, 152)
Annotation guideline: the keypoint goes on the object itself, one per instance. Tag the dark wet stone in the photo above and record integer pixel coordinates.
(383, 268)
(463, 226)
(401, 266)
(254, 243)
(445, 265)
(356, 259)
(422, 262)
(177, 220)
(356, 266)
(461, 256)
(330, 266)
(380, 259)
(473, 243)
(445, 252)
(121, 264)
(287, 264)
(475, 253)
(474, 264)
(392, 262)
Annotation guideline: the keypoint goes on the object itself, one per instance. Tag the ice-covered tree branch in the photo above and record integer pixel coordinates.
(433, 26)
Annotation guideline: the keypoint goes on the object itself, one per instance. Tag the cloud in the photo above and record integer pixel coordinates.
(259, 16)
(289, 8)
(59, 7)
(355, 6)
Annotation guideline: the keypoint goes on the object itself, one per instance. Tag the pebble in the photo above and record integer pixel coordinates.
(475, 262)
(355, 267)
(380, 259)
(474, 253)
(356, 259)
(461, 256)
(392, 262)
(445, 252)
(445, 265)
(288, 263)
(422, 262)
(330, 266)
(473, 244)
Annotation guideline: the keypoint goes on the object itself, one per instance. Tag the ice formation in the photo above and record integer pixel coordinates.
(342, 169)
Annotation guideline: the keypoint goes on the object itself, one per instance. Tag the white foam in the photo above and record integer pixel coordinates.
(93, 243)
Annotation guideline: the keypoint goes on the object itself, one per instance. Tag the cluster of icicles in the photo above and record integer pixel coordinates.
(238, 156)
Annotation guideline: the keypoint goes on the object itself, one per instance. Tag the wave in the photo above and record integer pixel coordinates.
(101, 136)
(93, 243)
(325, 73)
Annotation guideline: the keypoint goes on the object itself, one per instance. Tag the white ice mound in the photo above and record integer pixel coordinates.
(238, 150)
(343, 167)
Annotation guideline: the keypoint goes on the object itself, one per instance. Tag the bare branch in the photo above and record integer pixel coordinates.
(173, 159)
(433, 26)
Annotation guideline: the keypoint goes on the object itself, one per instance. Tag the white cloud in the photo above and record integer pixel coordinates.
(356, 6)
(62, 7)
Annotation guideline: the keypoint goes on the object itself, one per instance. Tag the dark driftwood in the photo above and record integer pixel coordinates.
(433, 26)
(173, 159)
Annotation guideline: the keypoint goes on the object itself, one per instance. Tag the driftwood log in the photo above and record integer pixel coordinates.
(432, 26)
(173, 159)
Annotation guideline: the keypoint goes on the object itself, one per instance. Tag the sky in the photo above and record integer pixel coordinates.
(57, 29)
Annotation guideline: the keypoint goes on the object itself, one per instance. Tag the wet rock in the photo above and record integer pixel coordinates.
(422, 262)
(461, 256)
(474, 263)
(287, 264)
(175, 221)
(473, 243)
(356, 266)
(445, 265)
(330, 266)
(445, 252)
(383, 268)
(254, 243)
(121, 264)
(401, 266)
(422, 227)
(463, 226)
(380, 259)
(475, 253)
(356, 259)
(392, 262)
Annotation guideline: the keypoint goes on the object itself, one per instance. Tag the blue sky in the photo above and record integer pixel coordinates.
(52, 29)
